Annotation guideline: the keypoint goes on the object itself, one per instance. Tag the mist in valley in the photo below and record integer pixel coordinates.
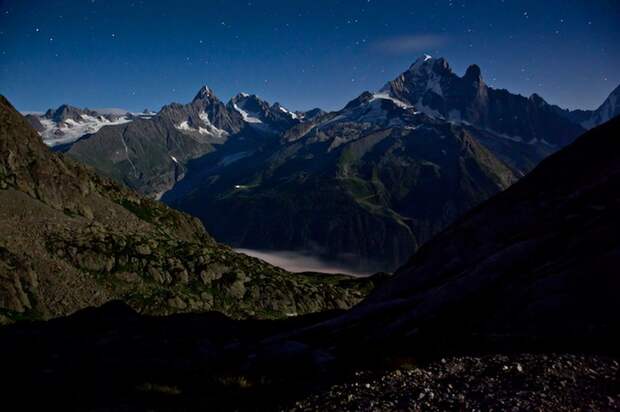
(297, 262)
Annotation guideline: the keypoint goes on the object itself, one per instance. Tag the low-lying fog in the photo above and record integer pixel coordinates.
(303, 262)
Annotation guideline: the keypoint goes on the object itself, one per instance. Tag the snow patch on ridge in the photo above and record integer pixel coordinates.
(285, 110)
(209, 128)
(386, 96)
(70, 130)
(184, 126)
(246, 116)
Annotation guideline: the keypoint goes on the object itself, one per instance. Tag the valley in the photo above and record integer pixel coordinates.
(348, 206)
(382, 175)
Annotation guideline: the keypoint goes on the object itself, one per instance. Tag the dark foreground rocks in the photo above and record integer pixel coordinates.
(523, 382)
(112, 358)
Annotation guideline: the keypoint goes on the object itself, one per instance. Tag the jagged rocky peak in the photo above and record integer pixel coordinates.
(251, 102)
(244, 96)
(204, 93)
(537, 99)
(363, 98)
(64, 112)
(424, 75)
(311, 114)
(428, 63)
(433, 88)
(473, 73)
(209, 110)
(277, 106)
(260, 114)
(251, 108)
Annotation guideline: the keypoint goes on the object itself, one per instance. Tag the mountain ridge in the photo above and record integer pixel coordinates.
(517, 298)
(207, 156)
(432, 86)
(72, 238)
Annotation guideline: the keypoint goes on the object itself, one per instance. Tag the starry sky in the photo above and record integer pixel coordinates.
(302, 53)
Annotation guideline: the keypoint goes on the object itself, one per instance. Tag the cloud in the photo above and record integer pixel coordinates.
(409, 44)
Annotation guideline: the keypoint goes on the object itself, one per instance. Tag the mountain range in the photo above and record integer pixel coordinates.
(73, 239)
(531, 270)
(367, 184)
(66, 124)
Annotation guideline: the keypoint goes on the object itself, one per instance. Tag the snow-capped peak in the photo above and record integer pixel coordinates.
(427, 63)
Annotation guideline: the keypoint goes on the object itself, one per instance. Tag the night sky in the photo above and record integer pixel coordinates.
(143, 54)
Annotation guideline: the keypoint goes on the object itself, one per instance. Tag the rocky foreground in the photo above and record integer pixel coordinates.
(524, 382)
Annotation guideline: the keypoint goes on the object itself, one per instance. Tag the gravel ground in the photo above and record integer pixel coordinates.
(523, 382)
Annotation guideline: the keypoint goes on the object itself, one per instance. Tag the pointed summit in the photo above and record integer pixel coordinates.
(537, 99)
(204, 92)
(427, 63)
(473, 73)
